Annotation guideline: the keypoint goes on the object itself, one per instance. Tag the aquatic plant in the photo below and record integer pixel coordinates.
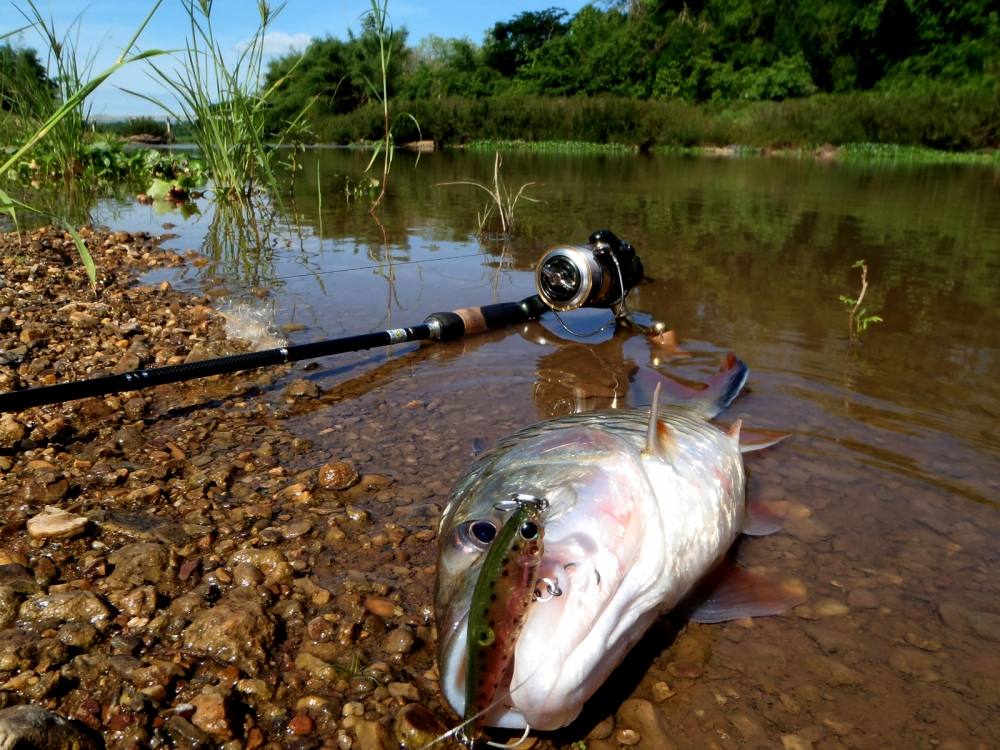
(497, 218)
(224, 104)
(378, 21)
(858, 318)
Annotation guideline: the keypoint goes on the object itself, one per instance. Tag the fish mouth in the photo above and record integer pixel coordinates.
(563, 649)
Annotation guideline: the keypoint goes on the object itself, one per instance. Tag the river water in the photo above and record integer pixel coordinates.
(891, 475)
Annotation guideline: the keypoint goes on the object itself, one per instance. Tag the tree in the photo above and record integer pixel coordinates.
(511, 44)
(23, 80)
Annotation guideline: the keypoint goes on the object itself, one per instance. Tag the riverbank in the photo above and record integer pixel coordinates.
(166, 556)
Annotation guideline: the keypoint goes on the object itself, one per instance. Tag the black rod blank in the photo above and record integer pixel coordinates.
(445, 326)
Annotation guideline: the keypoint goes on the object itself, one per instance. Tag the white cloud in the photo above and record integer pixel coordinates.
(280, 43)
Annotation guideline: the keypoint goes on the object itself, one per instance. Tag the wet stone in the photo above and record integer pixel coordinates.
(236, 631)
(29, 726)
(301, 388)
(415, 727)
(211, 713)
(399, 640)
(832, 671)
(55, 523)
(641, 718)
(862, 599)
(337, 475)
(66, 606)
(11, 431)
(78, 635)
(138, 563)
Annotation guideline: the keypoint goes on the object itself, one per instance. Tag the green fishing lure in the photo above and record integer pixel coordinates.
(504, 589)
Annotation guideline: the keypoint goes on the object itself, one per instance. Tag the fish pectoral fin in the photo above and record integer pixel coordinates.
(764, 517)
(732, 592)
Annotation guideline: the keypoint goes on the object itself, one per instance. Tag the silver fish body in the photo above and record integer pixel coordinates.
(633, 524)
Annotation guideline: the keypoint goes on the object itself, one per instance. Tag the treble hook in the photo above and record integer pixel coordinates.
(520, 500)
(551, 588)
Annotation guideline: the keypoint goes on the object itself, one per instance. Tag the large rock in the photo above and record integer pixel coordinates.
(236, 630)
(66, 606)
(33, 728)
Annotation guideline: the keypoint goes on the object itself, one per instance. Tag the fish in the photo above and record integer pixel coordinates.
(641, 506)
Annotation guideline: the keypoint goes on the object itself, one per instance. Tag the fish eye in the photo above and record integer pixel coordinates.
(484, 531)
(528, 530)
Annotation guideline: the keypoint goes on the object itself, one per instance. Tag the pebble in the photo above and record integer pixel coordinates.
(399, 640)
(795, 742)
(377, 605)
(66, 606)
(862, 599)
(415, 727)
(639, 719)
(55, 523)
(301, 725)
(211, 713)
(337, 475)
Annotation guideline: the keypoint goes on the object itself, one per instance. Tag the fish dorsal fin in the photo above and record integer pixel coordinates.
(660, 441)
(652, 442)
(734, 430)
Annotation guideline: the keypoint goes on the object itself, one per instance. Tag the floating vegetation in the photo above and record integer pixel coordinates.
(887, 152)
(559, 147)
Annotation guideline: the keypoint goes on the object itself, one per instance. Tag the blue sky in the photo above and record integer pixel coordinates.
(105, 26)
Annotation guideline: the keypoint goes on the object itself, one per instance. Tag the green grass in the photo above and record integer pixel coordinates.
(224, 104)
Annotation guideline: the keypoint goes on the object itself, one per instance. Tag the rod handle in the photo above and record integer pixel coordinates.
(470, 320)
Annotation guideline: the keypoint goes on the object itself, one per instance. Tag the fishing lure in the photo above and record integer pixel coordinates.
(504, 589)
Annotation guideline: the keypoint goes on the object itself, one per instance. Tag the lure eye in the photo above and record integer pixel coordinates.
(528, 530)
(483, 531)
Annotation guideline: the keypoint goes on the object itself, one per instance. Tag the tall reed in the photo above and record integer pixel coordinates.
(378, 18)
(224, 102)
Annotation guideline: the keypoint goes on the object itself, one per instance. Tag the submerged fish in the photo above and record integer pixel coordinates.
(640, 507)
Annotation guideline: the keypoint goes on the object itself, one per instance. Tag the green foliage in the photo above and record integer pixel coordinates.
(911, 73)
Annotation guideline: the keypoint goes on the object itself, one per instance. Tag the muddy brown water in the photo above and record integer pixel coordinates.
(892, 472)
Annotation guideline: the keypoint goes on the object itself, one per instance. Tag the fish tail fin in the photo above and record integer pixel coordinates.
(725, 385)
(707, 399)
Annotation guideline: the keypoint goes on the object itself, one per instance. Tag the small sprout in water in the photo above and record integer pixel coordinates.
(858, 318)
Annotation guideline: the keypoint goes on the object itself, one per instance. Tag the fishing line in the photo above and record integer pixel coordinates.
(378, 265)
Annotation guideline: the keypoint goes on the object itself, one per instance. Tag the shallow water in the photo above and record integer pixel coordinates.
(892, 473)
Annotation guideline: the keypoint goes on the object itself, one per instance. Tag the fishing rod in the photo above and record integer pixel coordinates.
(599, 274)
